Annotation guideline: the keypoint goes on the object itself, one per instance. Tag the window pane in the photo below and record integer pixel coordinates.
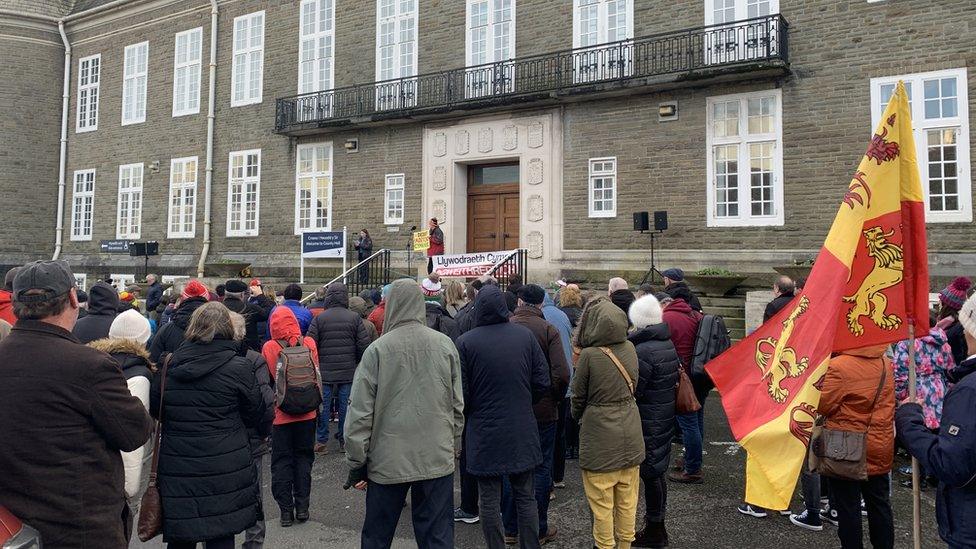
(942, 170)
(726, 170)
(495, 174)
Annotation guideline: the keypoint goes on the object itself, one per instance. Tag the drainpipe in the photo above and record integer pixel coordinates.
(211, 98)
(63, 158)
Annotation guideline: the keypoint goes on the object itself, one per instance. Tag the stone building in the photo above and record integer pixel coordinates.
(541, 124)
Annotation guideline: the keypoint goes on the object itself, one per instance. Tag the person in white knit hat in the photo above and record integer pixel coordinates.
(126, 343)
(657, 367)
(950, 454)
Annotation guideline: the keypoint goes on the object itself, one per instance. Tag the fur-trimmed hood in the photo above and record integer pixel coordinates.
(126, 352)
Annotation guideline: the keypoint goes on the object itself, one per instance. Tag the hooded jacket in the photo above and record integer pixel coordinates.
(284, 327)
(376, 317)
(439, 319)
(7, 307)
(622, 298)
(504, 373)
(207, 478)
(683, 322)
(359, 306)
(950, 455)
(405, 414)
(563, 324)
(846, 396)
(103, 305)
(340, 336)
(137, 370)
(465, 317)
(260, 369)
(934, 360)
(610, 426)
(302, 315)
(657, 362)
(169, 338)
(65, 414)
(546, 410)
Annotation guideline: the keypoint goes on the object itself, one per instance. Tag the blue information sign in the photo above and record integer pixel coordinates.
(325, 244)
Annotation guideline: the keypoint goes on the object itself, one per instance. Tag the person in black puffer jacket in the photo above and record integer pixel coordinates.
(207, 479)
(103, 306)
(170, 336)
(341, 338)
(439, 319)
(655, 393)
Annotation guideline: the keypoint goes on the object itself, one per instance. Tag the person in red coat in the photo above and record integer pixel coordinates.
(683, 323)
(436, 243)
(6, 298)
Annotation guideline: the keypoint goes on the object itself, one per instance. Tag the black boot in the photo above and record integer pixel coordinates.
(655, 535)
(287, 517)
(301, 515)
(640, 538)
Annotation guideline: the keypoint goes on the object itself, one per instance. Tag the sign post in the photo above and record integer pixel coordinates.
(322, 245)
(344, 254)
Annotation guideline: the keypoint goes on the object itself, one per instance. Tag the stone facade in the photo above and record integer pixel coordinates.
(835, 49)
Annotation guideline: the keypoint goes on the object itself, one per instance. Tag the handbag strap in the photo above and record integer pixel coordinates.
(159, 421)
(877, 394)
(620, 368)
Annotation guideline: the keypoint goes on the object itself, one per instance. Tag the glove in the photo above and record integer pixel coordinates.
(355, 476)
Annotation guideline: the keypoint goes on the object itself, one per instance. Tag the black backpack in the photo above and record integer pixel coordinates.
(710, 341)
(298, 383)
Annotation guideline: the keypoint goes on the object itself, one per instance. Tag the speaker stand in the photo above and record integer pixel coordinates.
(653, 269)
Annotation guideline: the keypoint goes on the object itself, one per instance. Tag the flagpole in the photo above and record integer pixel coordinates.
(916, 485)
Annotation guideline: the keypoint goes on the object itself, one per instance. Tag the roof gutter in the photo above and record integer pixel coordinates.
(211, 99)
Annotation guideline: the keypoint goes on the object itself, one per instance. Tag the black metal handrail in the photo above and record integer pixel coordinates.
(759, 39)
(510, 265)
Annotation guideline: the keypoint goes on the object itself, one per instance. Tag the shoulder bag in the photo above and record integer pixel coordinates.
(620, 368)
(151, 507)
(842, 454)
(685, 401)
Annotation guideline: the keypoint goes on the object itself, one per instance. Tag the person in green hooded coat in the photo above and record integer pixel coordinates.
(611, 440)
(404, 423)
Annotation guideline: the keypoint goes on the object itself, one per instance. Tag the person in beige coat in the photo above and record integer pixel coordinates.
(611, 440)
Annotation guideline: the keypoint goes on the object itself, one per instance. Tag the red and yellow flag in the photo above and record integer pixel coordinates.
(868, 283)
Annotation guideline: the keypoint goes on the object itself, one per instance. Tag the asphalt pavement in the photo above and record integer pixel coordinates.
(698, 516)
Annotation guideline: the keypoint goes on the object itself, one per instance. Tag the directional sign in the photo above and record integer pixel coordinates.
(114, 246)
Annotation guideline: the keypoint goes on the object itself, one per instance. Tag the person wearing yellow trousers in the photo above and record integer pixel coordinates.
(611, 441)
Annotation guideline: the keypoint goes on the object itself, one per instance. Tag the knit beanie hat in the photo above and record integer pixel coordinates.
(195, 288)
(130, 325)
(967, 315)
(645, 311)
(430, 287)
(954, 295)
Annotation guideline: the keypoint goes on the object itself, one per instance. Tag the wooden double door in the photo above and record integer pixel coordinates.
(493, 207)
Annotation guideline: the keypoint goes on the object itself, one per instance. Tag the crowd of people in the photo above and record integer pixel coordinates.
(500, 384)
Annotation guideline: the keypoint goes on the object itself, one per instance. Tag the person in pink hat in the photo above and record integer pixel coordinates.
(952, 298)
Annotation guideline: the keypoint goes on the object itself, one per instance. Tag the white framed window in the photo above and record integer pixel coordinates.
(737, 43)
(81, 280)
(121, 281)
(490, 39)
(129, 217)
(939, 102)
(187, 57)
(393, 198)
(603, 187)
(182, 197)
(82, 204)
(316, 57)
(313, 188)
(597, 22)
(243, 193)
(396, 53)
(744, 144)
(135, 77)
(247, 73)
(89, 75)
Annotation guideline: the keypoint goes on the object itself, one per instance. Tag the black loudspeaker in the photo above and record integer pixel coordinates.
(137, 249)
(152, 247)
(641, 221)
(660, 220)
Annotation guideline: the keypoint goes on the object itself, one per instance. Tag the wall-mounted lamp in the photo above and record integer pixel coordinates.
(667, 111)
(154, 167)
(351, 145)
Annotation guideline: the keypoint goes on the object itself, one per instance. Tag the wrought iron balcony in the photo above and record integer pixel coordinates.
(658, 61)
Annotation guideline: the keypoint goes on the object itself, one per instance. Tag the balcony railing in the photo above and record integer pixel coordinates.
(722, 48)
